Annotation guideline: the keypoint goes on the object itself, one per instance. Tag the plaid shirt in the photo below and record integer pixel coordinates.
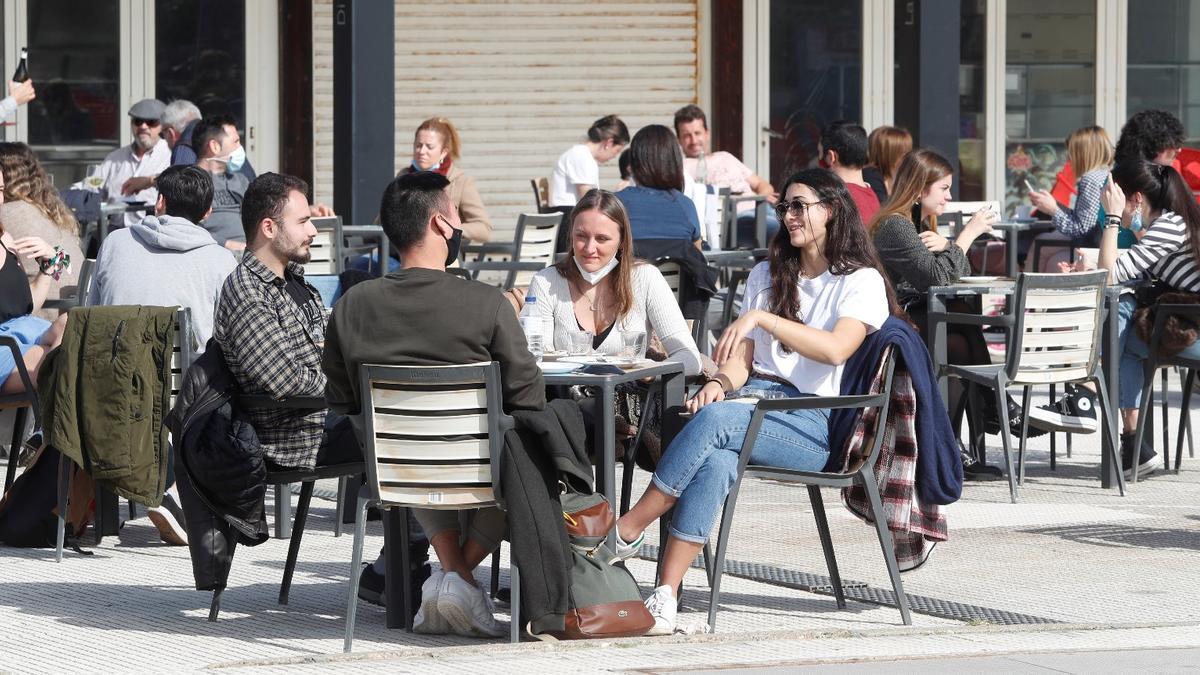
(273, 347)
(911, 523)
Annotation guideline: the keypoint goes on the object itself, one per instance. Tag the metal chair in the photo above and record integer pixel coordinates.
(23, 403)
(1055, 340)
(86, 269)
(729, 214)
(326, 248)
(433, 439)
(1153, 363)
(532, 244)
(541, 193)
(815, 480)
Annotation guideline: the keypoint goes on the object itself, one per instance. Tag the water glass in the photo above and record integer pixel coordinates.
(633, 345)
(580, 343)
(536, 346)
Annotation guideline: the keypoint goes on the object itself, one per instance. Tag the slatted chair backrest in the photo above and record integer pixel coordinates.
(541, 193)
(1057, 332)
(537, 233)
(326, 247)
(433, 434)
(672, 271)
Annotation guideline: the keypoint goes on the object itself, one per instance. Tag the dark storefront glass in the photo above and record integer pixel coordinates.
(971, 128)
(201, 54)
(816, 76)
(1164, 61)
(74, 61)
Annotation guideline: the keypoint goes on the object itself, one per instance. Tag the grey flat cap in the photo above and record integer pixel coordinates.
(148, 109)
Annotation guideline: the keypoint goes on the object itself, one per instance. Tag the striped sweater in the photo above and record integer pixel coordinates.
(1164, 252)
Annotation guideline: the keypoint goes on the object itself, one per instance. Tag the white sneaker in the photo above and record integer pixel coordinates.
(429, 619)
(466, 608)
(167, 518)
(662, 606)
(625, 551)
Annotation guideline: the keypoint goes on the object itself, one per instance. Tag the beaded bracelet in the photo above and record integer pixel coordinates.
(55, 265)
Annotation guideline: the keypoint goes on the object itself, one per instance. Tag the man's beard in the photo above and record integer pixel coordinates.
(144, 142)
(292, 250)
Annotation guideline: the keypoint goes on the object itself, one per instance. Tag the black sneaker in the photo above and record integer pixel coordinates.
(974, 470)
(991, 420)
(1075, 413)
(1146, 458)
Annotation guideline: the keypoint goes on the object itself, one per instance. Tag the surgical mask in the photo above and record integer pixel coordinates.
(418, 169)
(453, 244)
(236, 159)
(1135, 222)
(594, 278)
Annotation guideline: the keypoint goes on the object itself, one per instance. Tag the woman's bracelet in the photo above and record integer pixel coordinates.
(718, 380)
(56, 264)
(1112, 221)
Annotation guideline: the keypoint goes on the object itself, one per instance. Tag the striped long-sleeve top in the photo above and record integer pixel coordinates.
(1165, 252)
(1078, 221)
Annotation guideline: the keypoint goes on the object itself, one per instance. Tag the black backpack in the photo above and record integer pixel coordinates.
(27, 518)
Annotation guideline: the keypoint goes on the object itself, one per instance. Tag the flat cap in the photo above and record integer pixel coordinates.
(148, 109)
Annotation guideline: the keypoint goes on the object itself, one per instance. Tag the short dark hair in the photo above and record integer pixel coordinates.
(655, 158)
(265, 198)
(623, 165)
(849, 140)
(1148, 133)
(408, 203)
(208, 129)
(689, 113)
(188, 191)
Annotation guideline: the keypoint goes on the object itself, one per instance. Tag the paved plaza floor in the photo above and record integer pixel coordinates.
(1071, 569)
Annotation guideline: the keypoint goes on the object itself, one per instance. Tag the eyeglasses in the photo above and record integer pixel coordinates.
(138, 121)
(799, 206)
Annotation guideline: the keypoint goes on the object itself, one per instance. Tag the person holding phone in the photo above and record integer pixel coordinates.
(808, 308)
(1090, 154)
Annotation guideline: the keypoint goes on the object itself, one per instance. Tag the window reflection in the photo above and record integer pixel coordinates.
(1164, 62)
(201, 54)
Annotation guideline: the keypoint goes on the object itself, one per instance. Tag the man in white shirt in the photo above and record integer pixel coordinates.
(723, 170)
(147, 155)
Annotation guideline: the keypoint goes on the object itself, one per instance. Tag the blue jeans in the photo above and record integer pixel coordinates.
(1133, 354)
(700, 465)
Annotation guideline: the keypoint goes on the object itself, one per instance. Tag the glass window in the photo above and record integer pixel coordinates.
(201, 54)
(74, 61)
(971, 127)
(816, 76)
(1164, 62)
(1050, 89)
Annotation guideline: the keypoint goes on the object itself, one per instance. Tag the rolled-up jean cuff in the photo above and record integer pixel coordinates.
(691, 539)
(663, 487)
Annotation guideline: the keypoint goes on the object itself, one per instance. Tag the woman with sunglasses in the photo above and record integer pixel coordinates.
(807, 310)
(916, 257)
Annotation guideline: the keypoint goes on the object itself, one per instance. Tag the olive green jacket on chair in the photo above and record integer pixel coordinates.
(105, 392)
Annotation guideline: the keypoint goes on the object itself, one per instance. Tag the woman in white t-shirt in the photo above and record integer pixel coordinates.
(807, 310)
(578, 169)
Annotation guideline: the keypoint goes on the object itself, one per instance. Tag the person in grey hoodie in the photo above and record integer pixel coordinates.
(166, 259)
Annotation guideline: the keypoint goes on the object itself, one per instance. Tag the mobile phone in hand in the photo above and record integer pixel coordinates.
(1029, 185)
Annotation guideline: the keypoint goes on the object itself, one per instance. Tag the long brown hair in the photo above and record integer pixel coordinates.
(847, 247)
(610, 207)
(919, 169)
(26, 181)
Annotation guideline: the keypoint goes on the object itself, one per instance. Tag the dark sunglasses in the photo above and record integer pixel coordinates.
(799, 206)
(138, 121)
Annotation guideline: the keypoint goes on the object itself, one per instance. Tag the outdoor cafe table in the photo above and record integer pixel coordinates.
(1011, 231)
(605, 428)
(935, 335)
(370, 233)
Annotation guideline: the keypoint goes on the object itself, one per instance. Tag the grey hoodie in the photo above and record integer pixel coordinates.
(163, 260)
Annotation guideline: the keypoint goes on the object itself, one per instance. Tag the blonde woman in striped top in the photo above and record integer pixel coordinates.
(1168, 251)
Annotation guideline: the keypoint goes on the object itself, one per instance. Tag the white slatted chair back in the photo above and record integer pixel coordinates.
(673, 273)
(538, 232)
(326, 247)
(1057, 334)
(433, 434)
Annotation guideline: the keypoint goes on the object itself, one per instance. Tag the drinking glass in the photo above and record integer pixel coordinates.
(633, 345)
(580, 342)
(536, 346)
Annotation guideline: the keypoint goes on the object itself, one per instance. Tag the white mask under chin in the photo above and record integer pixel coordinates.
(595, 277)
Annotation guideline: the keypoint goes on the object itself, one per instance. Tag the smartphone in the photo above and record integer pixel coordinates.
(1029, 185)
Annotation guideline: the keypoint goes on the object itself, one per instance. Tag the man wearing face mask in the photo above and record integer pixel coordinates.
(422, 316)
(145, 157)
(220, 152)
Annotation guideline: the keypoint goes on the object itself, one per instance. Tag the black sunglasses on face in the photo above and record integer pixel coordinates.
(137, 122)
(799, 206)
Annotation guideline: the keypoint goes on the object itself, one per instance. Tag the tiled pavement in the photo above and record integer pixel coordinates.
(1110, 572)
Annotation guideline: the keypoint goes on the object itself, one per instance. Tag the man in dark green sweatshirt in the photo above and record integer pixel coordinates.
(422, 316)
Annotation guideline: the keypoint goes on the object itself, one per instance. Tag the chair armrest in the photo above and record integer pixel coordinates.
(822, 402)
(11, 343)
(291, 403)
(491, 247)
(503, 266)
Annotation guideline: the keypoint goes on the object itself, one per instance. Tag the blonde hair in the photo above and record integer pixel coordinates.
(26, 181)
(886, 146)
(918, 170)
(1088, 149)
(447, 131)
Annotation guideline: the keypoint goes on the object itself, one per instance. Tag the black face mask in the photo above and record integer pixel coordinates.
(453, 244)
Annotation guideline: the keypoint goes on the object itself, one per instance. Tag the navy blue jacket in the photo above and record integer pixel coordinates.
(939, 476)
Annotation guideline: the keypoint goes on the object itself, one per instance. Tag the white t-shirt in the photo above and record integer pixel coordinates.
(574, 167)
(823, 301)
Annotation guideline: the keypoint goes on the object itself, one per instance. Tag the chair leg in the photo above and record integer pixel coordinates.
(871, 487)
(1110, 427)
(1185, 415)
(360, 533)
(514, 628)
(14, 450)
(708, 562)
(718, 563)
(398, 554)
(1053, 437)
(1166, 430)
(1006, 442)
(1187, 419)
(343, 481)
(495, 583)
(1024, 434)
(1144, 412)
(283, 512)
(64, 486)
(835, 578)
(306, 490)
(214, 607)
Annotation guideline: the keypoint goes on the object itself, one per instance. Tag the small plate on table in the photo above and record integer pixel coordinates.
(981, 280)
(559, 367)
